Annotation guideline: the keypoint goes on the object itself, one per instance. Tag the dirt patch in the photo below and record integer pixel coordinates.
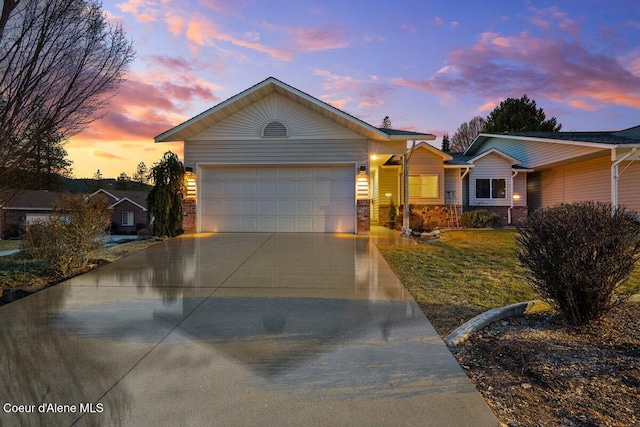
(537, 371)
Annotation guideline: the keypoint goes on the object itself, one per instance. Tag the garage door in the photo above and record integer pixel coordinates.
(278, 198)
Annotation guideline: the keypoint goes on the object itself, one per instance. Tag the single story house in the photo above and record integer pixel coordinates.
(275, 159)
(129, 210)
(26, 207)
(533, 170)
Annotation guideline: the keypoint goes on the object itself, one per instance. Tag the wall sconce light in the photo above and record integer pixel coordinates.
(516, 197)
(363, 169)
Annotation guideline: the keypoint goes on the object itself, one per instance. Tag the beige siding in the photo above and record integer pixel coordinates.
(275, 151)
(533, 154)
(300, 121)
(580, 181)
(489, 167)
(520, 187)
(375, 198)
(388, 183)
(629, 185)
(424, 162)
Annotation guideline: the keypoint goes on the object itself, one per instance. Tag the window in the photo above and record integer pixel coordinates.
(491, 188)
(127, 218)
(423, 186)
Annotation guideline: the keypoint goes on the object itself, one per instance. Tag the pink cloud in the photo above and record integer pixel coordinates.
(175, 24)
(133, 8)
(409, 28)
(314, 39)
(342, 90)
(202, 32)
(171, 63)
(437, 21)
(556, 68)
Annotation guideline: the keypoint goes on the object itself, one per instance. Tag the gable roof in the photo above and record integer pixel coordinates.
(497, 152)
(434, 150)
(271, 85)
(600, 139)
(138, 198)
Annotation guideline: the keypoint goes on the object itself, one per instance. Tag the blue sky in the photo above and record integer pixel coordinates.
(429, 65)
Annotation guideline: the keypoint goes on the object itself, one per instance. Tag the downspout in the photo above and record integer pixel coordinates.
(515, 173)
(615, 175)
(466, 172)
(406, 231)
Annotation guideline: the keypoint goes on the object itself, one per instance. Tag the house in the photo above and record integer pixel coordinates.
(129, 210)
(274, 158)
(26, 207)
(519, 172)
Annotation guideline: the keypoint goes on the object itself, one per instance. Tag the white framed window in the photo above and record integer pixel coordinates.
(425, 186)
(491, 188)
(127, 218)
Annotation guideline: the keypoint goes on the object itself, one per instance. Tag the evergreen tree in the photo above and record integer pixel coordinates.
(520, 115)
(386, 123)
(164, 202)
(446, 144)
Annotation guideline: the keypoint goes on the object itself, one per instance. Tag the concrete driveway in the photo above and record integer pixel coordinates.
(233, 330)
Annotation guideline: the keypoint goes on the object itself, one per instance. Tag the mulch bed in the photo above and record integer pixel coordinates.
(537, 371)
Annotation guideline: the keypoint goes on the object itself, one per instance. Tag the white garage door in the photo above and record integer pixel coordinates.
(278, 198)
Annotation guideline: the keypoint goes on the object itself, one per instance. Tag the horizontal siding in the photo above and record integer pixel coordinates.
(491, 166)
(388, 183)
(520, 187)
(575, 182)
(589, 180)
(275, 151)
(424, 162)
(629, 185)
(452, 186)
(301, 122)
(534, 154)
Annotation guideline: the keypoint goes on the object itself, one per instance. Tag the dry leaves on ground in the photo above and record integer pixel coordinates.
(536, 371)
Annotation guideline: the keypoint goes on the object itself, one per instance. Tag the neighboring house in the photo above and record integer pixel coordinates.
(28, 206)
(549, 168)
(129, 210)
(273, 158)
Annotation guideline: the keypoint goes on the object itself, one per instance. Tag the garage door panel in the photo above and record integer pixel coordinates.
(278, 198)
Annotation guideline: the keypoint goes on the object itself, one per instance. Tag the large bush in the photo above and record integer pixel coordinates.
(73, 234)
(580, 256)
(479, 219)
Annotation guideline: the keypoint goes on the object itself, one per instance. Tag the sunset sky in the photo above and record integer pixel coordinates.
(429, 65)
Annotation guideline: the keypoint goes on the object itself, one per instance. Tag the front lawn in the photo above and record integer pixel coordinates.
(461, 276)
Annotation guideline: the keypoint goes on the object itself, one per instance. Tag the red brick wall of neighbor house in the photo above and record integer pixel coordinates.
(189, 215)
(14, 219)
(364, 217)
(139, 217)
(518, 213)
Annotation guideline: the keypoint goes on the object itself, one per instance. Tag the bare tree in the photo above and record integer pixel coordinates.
(466, 133)
(60, 63)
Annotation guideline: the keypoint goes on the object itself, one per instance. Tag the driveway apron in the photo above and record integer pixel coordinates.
(233, 330)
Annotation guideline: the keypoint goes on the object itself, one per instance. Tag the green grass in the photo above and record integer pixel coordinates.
(466, 273)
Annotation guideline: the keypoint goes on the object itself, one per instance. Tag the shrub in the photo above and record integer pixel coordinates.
(393, 214)
(416, 220)
(72, 235)
(580, 256)
(479, 219)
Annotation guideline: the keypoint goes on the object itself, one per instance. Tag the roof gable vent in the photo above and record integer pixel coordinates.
(275, 129)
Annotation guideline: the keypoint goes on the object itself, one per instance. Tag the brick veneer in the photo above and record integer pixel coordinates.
(518, 213)
(189, 215)
(364, 220)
